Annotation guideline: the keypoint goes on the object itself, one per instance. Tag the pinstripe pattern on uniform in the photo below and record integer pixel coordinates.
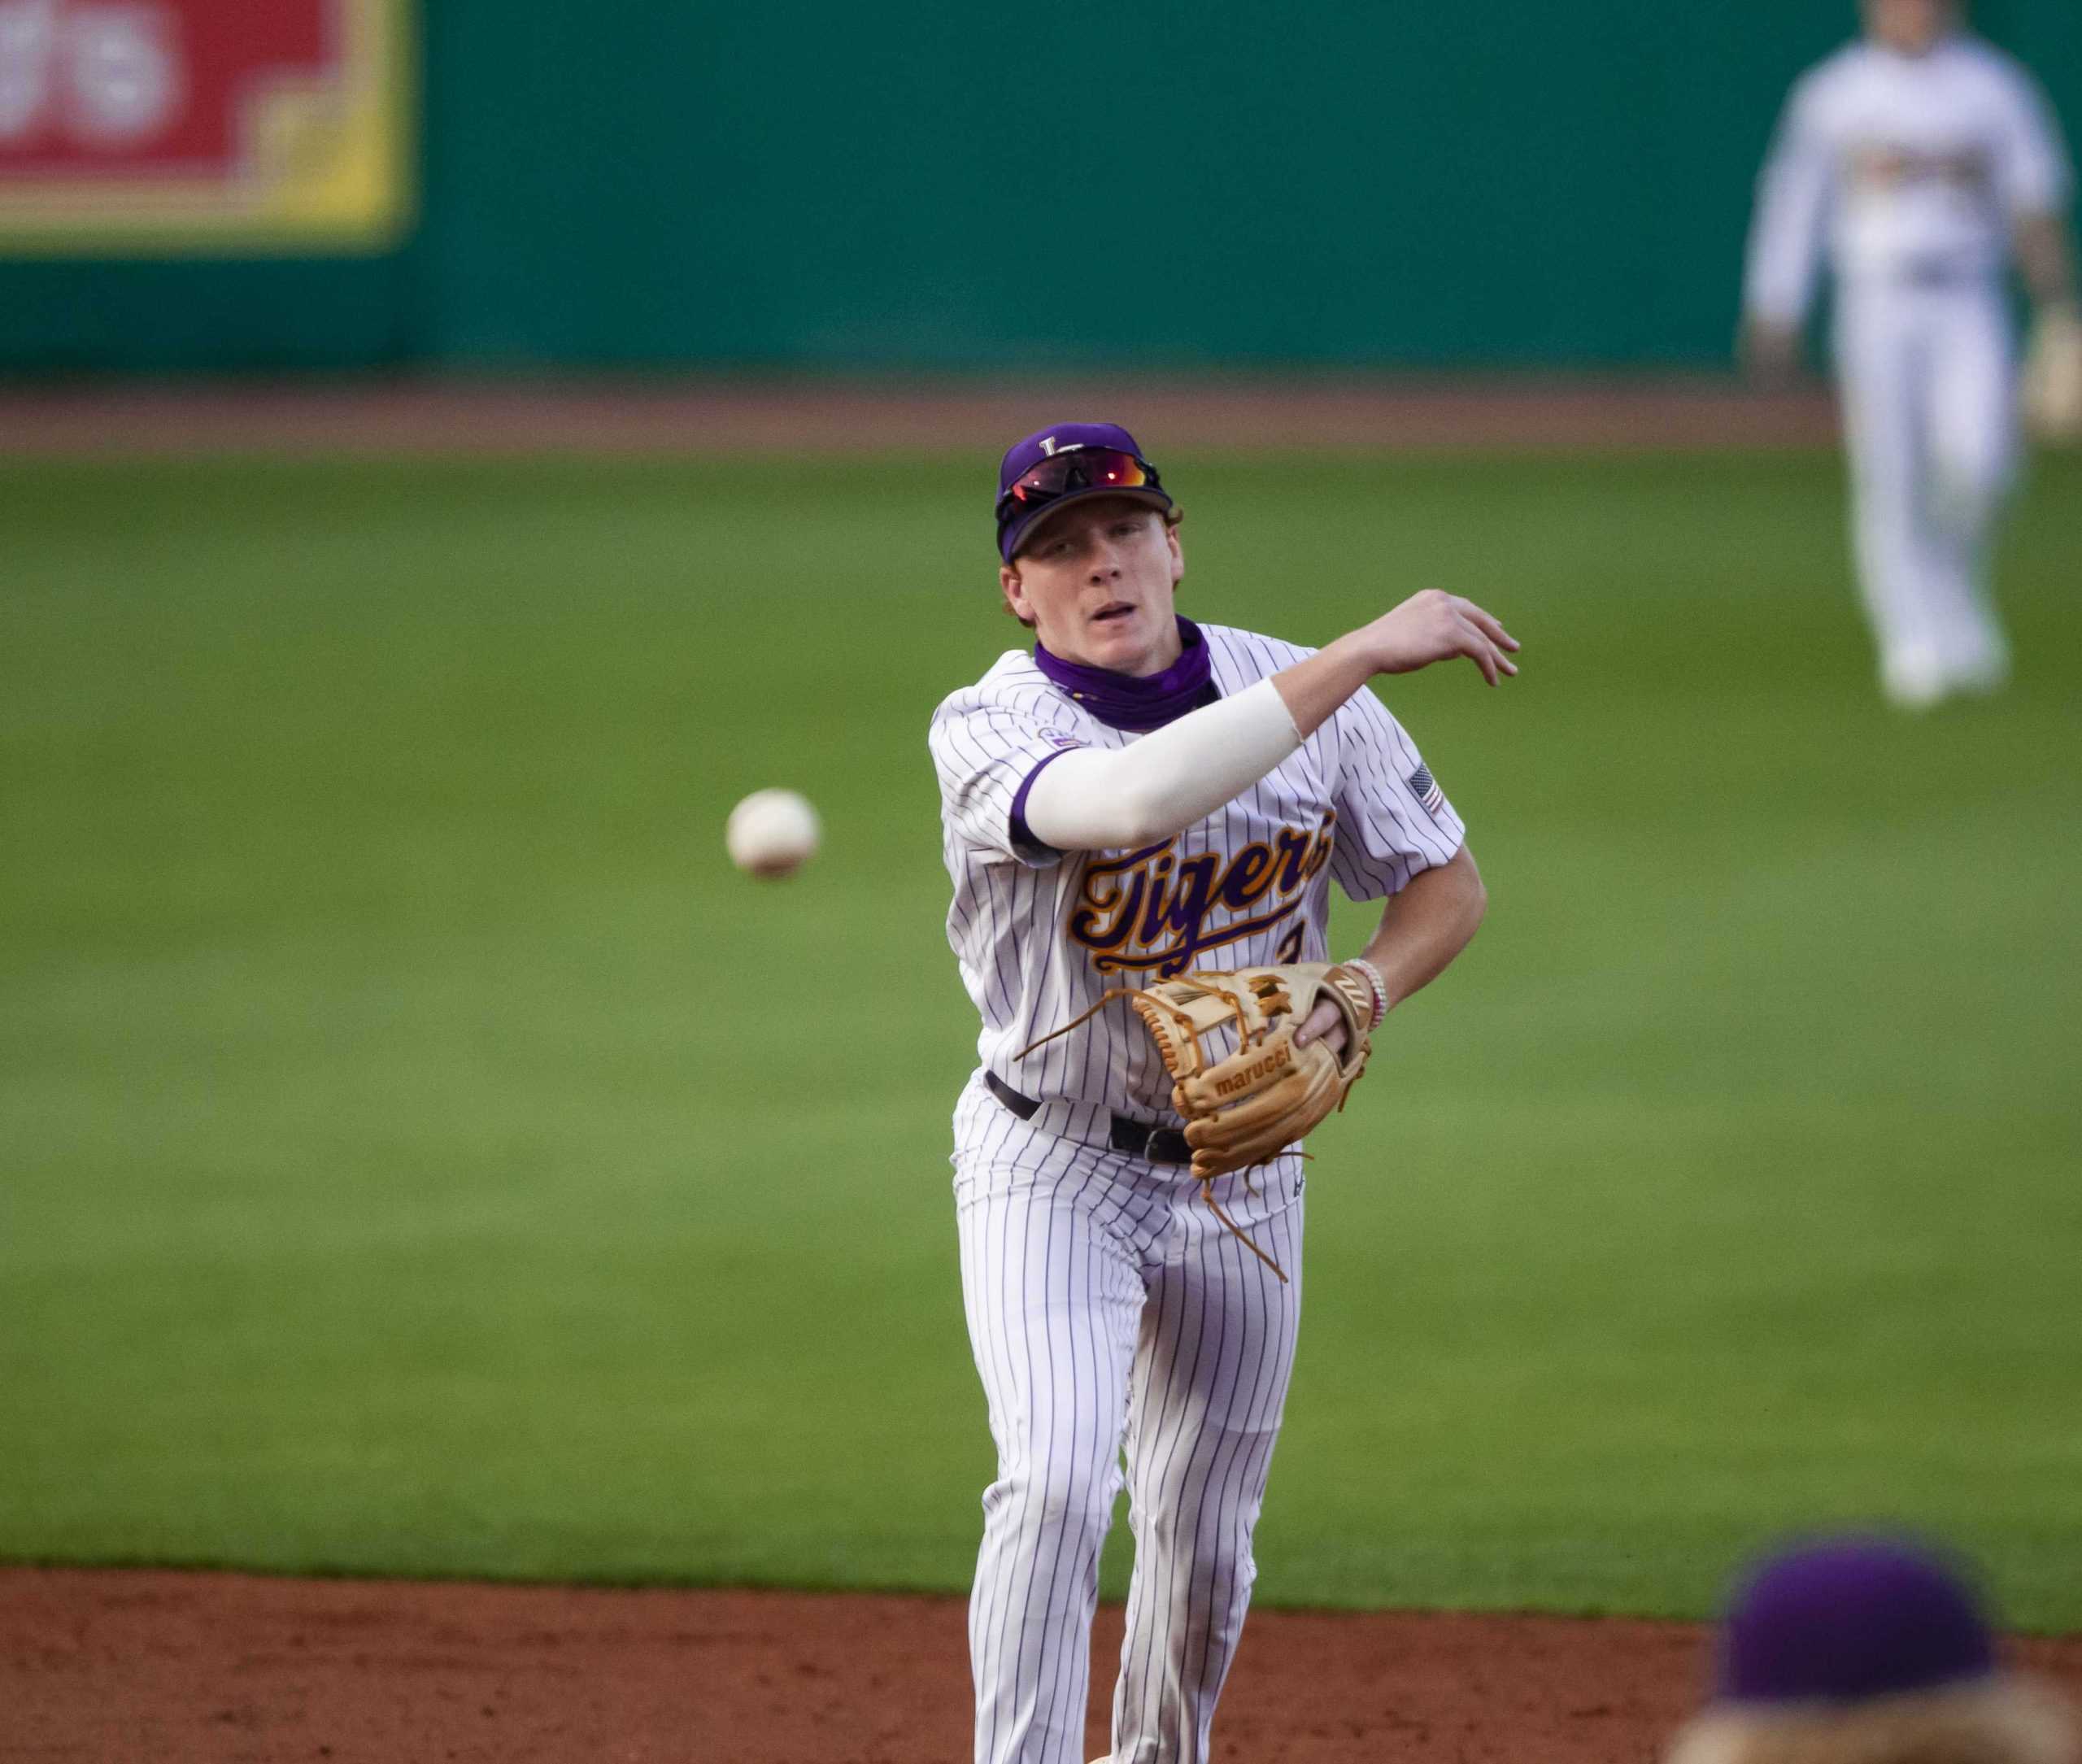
(1006, 920)
(1209, 1391)
(1108, 1309)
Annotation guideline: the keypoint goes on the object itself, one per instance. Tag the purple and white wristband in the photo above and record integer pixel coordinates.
(1380, 989)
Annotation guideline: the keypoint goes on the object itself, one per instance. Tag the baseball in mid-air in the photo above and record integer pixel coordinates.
(772, 832)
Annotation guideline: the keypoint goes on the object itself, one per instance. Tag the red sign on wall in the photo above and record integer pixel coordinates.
(202, 124)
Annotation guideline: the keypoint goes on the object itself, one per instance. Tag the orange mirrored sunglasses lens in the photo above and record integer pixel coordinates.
(1087, 468)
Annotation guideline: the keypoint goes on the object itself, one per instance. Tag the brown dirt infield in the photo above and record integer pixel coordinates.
(133, 1663)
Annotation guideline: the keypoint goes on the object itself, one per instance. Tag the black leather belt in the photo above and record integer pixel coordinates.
(1936, 273)
(1137, 1139)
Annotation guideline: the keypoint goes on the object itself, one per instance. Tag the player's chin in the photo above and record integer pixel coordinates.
(1118, 641)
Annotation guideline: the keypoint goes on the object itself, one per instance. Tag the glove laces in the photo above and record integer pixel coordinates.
(1245, 1039)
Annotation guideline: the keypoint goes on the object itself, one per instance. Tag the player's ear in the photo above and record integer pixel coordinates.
(1172, 517)
(1015, 593)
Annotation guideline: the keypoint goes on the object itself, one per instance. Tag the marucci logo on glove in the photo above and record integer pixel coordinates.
(1256, 1070)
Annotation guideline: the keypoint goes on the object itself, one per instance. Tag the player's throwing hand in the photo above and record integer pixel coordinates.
(1430, 626)
(1435, 626)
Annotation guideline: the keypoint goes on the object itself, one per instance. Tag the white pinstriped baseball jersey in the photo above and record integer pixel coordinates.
(1040, 934)
(1911, 165)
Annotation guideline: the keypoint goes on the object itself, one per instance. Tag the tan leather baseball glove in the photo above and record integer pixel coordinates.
(1226, 1037)
(1227, 1040)
(2051, 383)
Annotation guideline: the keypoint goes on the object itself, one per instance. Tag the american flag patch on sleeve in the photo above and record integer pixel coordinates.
(1429, 796)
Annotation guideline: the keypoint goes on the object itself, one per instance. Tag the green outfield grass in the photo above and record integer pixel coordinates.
(423, 1154)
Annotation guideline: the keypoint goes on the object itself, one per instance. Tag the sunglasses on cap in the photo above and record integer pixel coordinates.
(1083, 469)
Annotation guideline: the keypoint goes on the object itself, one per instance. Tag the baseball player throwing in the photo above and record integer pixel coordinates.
(1137, 799)
(1927, 159)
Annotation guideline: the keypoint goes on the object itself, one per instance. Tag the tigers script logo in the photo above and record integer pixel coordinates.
(1151, 908)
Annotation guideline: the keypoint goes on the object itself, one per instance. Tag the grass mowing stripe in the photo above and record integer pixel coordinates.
(395, 1182)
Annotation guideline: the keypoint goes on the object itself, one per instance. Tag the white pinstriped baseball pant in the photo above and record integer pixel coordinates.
(1108, 1310)
(1929, 418)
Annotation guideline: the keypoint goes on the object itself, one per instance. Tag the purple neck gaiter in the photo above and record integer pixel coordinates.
(1138, 704)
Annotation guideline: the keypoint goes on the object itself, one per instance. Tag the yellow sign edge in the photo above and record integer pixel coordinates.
(380, 73)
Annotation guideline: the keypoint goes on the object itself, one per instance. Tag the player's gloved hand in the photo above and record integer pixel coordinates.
(2051, 384)
(1248, 1083)
(1245, 1104)
(1325, 1024)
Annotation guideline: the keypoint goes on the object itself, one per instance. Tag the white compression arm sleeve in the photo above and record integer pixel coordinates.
(1093, 798)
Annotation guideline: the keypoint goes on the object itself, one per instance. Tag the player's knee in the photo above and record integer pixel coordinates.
(1059, 1492)
(1970, 493)
(1170, 1519)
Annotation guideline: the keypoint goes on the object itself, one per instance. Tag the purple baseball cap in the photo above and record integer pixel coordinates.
(1045, 472)
(1850, 1618)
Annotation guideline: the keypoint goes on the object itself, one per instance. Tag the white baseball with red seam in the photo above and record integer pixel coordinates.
(772, 832)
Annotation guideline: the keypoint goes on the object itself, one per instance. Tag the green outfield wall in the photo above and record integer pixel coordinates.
(810, 184)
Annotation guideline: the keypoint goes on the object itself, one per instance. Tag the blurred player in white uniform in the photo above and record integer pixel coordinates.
(1140, 796)
(1926, 160)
